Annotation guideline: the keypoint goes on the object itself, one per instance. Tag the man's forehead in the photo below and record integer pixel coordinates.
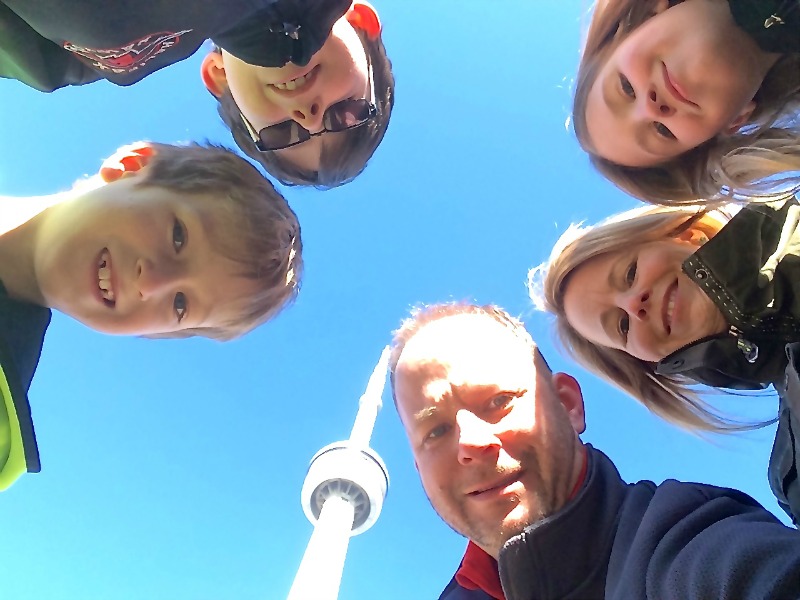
(461, 348)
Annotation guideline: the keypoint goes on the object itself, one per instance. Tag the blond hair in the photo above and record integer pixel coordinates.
(748, 165)
(426, 314)
(671, 397)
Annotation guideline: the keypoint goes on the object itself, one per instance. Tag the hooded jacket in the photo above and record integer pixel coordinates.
(751, 271)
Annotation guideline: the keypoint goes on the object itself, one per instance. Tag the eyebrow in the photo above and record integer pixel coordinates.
(609, 326)
(425, 414)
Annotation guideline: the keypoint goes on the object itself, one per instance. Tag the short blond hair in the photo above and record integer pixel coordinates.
(426, 314)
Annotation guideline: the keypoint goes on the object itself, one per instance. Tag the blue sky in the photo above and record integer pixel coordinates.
(173, 469)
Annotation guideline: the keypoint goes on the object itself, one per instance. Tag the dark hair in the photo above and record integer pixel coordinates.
(252, 224)
(350, 157)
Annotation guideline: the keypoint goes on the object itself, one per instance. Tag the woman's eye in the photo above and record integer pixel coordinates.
(626, 86)
(630, 274)
(179, 306)
(624, 326)
(178, 235)
(663, 131)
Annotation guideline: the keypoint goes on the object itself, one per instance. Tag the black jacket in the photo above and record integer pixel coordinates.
(751, 270)
(773, 24)
(674, 541)
(49, 44)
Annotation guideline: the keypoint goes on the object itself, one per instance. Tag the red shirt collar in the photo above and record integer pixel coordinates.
(478, 570)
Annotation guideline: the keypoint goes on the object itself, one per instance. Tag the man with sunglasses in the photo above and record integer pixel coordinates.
(278, 60)
(318, 123)
(341, 116)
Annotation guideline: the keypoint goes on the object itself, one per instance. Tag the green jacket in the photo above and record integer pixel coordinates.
(22, 329)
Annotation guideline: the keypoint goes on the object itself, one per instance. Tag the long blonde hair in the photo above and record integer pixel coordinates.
(673, 398)
(749, 164)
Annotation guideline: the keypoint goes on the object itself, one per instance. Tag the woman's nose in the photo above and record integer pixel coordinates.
(636, 303)
(657, 105)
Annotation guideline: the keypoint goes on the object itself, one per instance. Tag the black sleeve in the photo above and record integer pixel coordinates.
(36, 61)
(288, 31)
(729, 547)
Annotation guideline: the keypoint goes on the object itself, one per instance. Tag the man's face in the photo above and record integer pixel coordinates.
(128, 259)
(266, 95)
(494, 440)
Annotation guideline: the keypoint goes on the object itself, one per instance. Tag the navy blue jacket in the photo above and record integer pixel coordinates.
(642, 541)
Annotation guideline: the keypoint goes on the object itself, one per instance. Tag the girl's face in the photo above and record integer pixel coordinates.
(685, 75)
(638, 300)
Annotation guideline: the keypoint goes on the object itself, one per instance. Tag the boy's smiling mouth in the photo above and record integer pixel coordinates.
(104, 284)
(297, 83)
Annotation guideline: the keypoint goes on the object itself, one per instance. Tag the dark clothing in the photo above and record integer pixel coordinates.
(49, 44)
(773, 24)
(758, 293)
(453, 591)
(22, 329)
(674, 541)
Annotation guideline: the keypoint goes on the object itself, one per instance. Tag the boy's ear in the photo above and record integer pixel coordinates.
(212, 72)
(742, 118)
(363, 16)
(126, 161)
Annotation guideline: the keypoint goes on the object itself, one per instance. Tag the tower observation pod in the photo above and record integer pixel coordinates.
(342, 496)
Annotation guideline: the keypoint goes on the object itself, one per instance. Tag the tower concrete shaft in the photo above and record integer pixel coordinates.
(342, 496)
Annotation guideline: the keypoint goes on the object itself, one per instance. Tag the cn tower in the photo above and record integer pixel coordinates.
(342, 496)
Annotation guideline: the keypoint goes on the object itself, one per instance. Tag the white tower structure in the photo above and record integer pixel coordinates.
(342, 496)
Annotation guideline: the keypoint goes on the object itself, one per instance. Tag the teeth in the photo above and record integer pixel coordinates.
(104, 277)
(293, 84)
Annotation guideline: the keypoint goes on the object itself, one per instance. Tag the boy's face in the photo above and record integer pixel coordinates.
(130, 259)
(681, 78)
(337, 72)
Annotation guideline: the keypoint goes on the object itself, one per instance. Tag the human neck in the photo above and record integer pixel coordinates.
(20, 219)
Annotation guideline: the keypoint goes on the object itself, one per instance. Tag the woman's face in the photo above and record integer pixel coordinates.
(638, 300)
(685, 75)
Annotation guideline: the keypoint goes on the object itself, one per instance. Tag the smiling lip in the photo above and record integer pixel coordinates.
(674, 88)
(311, 75)
(491, 489)
(667, 315)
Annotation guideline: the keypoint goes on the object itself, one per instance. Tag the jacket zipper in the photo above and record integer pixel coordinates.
(746, 347)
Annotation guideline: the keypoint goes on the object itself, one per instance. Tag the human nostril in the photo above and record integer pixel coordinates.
(298, 114)
(314, 109)
(652, 95)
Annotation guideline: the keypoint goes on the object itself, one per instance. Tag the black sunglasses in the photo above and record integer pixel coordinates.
(344, 115)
